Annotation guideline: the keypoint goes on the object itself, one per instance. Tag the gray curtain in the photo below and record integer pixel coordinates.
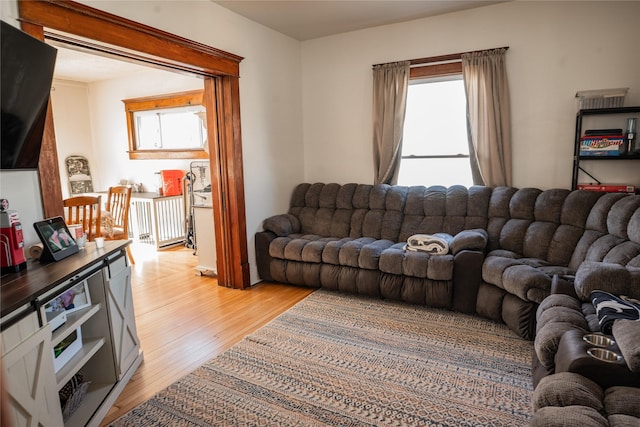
(390, 85)
(488, 116)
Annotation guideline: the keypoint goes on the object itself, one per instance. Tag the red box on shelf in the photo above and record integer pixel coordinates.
(171, 182)
(608, 188)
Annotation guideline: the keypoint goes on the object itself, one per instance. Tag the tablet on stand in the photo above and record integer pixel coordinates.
(57, 242)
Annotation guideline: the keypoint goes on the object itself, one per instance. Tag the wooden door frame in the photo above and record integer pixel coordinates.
(220, 71)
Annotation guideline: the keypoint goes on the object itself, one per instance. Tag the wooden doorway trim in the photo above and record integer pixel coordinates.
(220, 71)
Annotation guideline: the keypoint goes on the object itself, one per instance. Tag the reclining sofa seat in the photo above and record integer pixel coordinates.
(535, 234)
(350, 238)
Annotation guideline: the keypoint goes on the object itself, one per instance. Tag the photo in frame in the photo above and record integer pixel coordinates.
(73, 299)
(66, 349)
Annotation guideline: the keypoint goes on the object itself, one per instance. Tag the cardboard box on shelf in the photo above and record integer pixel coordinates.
(608, 188)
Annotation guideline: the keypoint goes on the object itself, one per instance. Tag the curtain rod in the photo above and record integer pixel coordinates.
(442, 58)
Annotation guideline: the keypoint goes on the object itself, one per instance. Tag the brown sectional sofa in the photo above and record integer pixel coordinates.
(526, 257)
(572, 387)
(507, 243)
(568, 399)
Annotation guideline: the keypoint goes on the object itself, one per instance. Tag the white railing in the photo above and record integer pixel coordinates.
(159, 221)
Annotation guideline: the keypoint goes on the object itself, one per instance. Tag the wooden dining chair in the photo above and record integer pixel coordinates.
(84, 210)
(118, 202)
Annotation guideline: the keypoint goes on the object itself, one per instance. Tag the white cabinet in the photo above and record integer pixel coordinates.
(28, 374)
(126, 344)
(205, 240)
(104, 349)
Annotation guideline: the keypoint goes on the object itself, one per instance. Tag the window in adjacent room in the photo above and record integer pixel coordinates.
(167, 126)
(435, 150)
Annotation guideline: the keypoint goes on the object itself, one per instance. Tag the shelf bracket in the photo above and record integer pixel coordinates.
(590, 176)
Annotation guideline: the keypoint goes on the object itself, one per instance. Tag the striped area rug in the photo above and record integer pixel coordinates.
(343, 360)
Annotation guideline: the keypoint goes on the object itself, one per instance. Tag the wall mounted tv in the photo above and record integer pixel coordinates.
(27, 71)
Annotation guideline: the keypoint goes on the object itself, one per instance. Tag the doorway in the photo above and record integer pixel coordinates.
(100, 31)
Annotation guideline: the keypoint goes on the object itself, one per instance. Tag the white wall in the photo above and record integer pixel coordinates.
(70, 104)
(556, 49)
(22, 189)
(109, 126)
(90, 121)
(270, 96)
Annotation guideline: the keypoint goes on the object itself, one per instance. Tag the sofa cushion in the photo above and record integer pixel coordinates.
(556, 300)
(613, 278)
(282, 225)
(523, 277)
(469, 240)
(350, 252)
(547, 340)
(622, 400)
(567, 389)
(619, 420)
(561, 314)
(627, 335)
(423, 265)
(363, 252)
(569, 416)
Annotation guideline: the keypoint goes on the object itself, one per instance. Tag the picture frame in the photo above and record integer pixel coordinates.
(66, 349)
(79, 175)
(73, 299)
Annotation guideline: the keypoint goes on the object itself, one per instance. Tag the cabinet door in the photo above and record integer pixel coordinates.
(28, 375)
(126, 344)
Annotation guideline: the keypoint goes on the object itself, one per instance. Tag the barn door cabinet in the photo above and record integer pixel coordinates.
(103, 348)
(28, 373)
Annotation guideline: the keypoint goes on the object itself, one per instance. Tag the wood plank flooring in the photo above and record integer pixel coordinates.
(185, 319)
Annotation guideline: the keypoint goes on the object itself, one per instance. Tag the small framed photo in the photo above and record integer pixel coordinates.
(73, 299)
(66, 349)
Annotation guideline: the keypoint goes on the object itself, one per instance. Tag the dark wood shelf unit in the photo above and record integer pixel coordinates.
(577, 158)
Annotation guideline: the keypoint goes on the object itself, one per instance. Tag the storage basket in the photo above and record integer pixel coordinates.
(71, 395)
(601, 98)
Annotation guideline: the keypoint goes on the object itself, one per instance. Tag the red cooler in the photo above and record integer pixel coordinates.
(171, 182)
(11, 243)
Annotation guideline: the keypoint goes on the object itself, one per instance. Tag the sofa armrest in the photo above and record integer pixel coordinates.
(467, 275)
(473, 240)
(263, 260)
(282, 225)
(613, 278)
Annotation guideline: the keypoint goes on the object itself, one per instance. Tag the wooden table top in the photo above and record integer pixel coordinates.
(18, 289)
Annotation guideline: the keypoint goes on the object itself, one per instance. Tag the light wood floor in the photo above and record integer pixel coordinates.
(185, 319)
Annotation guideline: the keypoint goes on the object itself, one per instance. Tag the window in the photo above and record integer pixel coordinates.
(167, 126)
(435, 150)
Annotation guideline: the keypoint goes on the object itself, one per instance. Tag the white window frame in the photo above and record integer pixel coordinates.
(412, 157)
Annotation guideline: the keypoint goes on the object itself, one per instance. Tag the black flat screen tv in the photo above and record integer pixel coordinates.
(27, 71)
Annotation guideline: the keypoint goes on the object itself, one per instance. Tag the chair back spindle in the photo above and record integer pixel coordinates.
(118, 202)
(84, 210)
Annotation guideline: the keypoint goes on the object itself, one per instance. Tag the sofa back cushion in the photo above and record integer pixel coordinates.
(612, 232)
(388, 212)
(541, 224)
(439, 209)
(558, 226)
